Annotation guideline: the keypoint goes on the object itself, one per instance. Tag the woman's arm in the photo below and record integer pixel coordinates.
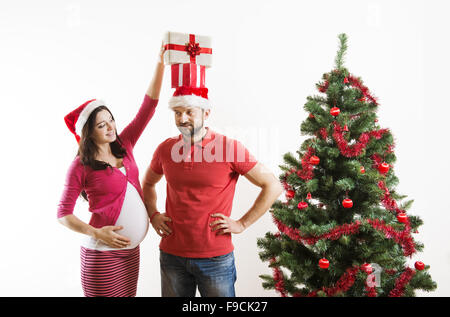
(106, 234)
(72, 188)
(134, 129)
(155, 85)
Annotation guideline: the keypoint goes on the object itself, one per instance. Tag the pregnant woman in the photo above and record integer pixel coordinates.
(105, 173)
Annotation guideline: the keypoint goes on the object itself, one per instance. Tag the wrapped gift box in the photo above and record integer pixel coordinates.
(192, 75)
(183, 48)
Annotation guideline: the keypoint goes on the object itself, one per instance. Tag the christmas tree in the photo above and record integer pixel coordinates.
(342, 230)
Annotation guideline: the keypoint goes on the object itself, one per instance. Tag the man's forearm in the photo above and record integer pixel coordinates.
(150, 199)
(263, 202)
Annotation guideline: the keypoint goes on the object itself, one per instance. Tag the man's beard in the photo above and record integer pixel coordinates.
(188, 130)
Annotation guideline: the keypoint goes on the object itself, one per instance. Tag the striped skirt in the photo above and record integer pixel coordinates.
(109, 273)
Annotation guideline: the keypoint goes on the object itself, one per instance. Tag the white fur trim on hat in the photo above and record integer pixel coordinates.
(189, 100)
(85, 113)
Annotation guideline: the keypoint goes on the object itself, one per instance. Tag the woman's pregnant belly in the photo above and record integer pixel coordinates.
(133, 218)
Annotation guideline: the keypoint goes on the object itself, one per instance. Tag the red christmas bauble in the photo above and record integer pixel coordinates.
(311, 116)
(367, 268)
(308, 196)
(383, 167)
(419, 265)
(290, 194)
(335, 111)
(302, 205)
(314, 160)
(402, 217)
(324, 263)
(362, 169)
(347, 203)
(346, 81)
(362, 99)
(346, 128)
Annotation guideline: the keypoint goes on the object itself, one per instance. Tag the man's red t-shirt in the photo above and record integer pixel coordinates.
(201, 181)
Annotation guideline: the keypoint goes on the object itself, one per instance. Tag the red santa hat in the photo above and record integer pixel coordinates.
(76, 120)
(187, 96)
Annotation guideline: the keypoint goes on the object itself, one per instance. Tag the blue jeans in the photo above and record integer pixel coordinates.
(214, 276)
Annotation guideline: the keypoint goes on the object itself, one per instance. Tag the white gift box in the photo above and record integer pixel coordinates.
(184, 48)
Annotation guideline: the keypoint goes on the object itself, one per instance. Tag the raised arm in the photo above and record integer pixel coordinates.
(155, 85)
(271, 188)
(134, 129)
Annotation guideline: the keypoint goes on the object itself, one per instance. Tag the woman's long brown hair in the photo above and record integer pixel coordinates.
(88, 148)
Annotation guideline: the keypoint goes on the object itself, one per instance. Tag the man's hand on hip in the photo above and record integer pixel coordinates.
(226, 225)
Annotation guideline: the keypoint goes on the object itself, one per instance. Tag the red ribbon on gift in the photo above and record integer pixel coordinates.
(193, 49)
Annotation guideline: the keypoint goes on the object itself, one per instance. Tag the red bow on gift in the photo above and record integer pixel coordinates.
(193, 49)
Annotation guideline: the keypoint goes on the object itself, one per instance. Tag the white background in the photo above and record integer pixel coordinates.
(268, 55)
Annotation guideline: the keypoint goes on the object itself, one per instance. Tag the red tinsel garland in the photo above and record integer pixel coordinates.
(371, 291)
(377, 134)
(306, 173)
(344, 283)
(357, 148)
(388, 202)
(355, 82)
(401, 282)
(323, 133)
(390, 271)
(347, 150)
(401, 237)
(333, 234)
(279, 279)
(377, 160)
(390, 148)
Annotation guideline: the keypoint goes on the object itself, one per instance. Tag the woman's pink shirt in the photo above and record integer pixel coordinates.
(106, 188)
